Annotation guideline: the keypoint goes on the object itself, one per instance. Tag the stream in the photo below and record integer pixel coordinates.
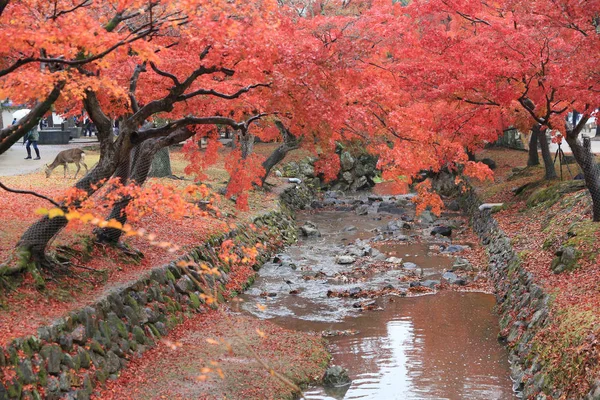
(398, 305)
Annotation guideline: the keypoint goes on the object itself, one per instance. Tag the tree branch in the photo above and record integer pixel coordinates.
(12, 134)
(212, 92)
(215, 120)
(133, 86)
(41, 196)
(165, 74)
(3, 4)
(84, 3)
(136, 35)
(478, 103)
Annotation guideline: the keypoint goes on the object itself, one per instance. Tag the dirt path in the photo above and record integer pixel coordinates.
(174, 369)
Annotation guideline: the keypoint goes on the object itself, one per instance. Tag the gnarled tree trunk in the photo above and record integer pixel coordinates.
(37, 237)
(141, 161)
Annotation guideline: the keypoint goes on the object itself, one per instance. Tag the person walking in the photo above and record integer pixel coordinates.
(32, 138)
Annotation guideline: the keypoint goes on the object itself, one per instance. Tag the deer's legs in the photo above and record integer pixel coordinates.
(65, 167)
(78, 168)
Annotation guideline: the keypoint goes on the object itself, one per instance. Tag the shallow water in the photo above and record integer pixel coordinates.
(429, 347)
(436, 346)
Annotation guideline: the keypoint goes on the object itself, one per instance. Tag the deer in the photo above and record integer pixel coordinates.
(65, 157)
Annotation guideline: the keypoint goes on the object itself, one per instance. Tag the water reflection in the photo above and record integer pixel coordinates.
(430, 347)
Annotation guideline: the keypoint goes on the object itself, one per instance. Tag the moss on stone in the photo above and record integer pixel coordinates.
(170, 276)
(194, 301)
(548, 196)
(557, 349)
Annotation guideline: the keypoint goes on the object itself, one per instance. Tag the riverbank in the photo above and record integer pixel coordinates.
(544, 247)
(88, 336)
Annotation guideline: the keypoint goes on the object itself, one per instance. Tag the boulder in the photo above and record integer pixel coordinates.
(291, 169)
(462, 264)
(427, 217)
(442, 230)
(345, 260)
(390, 208)
(453, 206)
(362, 210)
(453, 279)
(489, 162)
(454, 248)
(361, 183)
(394, 260)
(306, 169)
(566, 259)
(309, 229)
(409, 265)
(336, 376)
(347, 161)
(348, 177)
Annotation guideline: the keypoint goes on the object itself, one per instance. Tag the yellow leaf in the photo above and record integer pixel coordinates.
(72, 215)
(211, 341)
(42, 211)
(113, 223)
(260, 333)
(55, 212)
(87, 217)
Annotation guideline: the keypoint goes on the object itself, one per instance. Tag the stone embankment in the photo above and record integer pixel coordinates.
(86, 347)
(522, 304)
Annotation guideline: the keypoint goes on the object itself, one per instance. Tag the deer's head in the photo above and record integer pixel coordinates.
(48, 171)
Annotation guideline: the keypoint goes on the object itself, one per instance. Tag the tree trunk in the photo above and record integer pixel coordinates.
(534, 158)
(289, 143)
(161, 164)
(470, 155)
(246, 144)
(546, 156)
(140, 165)
(36, 238)
(591, 172)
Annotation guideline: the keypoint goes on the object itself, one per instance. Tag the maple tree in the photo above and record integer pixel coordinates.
(525, 64)
(44, 44)
(188, 82)
(422, 85)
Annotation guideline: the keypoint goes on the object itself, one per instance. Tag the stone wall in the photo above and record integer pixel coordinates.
(522, 305)
(70, 357)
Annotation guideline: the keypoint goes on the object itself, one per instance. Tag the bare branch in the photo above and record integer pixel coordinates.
(41, 196)
(133, 86)
(478, 103)
(12, 134)
(165, 74)
(84, 3)
(212, 92)
(214, 120)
